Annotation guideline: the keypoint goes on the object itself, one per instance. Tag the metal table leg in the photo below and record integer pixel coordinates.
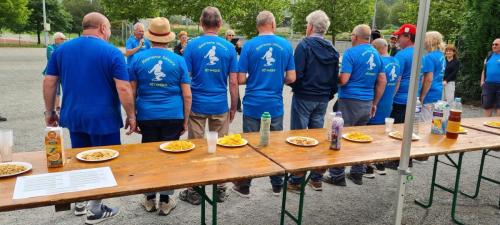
(303, 183)
(481, 177)
(212, 202)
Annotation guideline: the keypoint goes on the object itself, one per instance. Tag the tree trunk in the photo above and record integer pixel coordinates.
(38, 36)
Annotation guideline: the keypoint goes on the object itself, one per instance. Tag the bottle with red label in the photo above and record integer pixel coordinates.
(453, 126)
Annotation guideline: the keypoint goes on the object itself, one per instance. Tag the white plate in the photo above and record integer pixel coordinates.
(28, 167)
(414, 137)
(289, 140)
(163, 147)
(80, 155)
(486, 124)
(347, 138)
(245, 142)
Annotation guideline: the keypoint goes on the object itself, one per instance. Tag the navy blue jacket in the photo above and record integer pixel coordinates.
(317, 68)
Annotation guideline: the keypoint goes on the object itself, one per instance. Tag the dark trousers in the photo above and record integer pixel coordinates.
(398, 113)
(160, 130)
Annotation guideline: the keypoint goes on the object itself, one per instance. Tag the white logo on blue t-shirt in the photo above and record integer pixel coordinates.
(371, 62)
(269, 57)
(393, 73)
(211, 56)
(156, 70)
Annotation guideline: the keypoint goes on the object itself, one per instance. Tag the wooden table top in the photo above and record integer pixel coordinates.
(478, 124)
(383, 148)
(144, 168)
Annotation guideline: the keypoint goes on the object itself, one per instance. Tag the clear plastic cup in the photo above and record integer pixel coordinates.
(212, 137)
(6, 143)
(388, 124)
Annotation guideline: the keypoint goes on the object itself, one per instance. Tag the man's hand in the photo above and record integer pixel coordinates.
(373, 110)
(444, 82)
(141, 42)
(131, 124)
(51, 119)
(184, 128)
(232, 113)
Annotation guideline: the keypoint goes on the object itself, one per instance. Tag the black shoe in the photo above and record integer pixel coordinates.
(221, 195)
(241, 191)
(190, 196)
(380, 168)
(277, 190)
(2, 119)
(370, 172)
(393, 165)
(356, 178)
(337, 182)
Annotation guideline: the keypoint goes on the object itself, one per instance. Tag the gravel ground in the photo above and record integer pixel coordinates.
(372, 203)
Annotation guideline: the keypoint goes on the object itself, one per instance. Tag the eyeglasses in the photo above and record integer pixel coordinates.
(495, 44)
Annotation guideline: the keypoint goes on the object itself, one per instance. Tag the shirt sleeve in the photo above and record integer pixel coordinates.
(243, 63)
(118, 66)
(427, 65)
(399, 57)
(234, 61)
(347, 62)
(52, 65)
(300, 61)
(187, 58)
(291, 60)
(185, 79)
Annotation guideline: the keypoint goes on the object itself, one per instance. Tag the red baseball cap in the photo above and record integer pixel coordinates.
(406, 28)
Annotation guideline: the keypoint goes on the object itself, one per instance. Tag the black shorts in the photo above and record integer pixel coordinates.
(490, 96)
(160, 130)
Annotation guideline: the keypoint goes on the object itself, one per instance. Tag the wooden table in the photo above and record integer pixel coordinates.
(383, 148)
(144, 168)
(478, 124)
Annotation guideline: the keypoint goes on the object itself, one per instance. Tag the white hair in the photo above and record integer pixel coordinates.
(363, 31)
(319, 21)
(264, 18)
(59, 35)
(137, 25)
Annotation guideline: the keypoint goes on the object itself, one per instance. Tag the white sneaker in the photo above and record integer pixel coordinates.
(164, 208)
(149, 205)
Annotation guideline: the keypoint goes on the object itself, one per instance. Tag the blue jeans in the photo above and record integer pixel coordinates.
(307, 114)
(355, 113)
(251, 124)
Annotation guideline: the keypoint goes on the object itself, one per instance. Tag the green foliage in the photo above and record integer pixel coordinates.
(13, 14)
(344, 14)
(132, 10)
(78, 9)
(382, 17)
(58, 18)
(478, 32)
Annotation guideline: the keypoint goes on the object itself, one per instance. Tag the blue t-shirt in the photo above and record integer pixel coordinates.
(405, 58)
(210, 59)
(265, 58)
(86, 67)
(132, 42)
(435, 63)
(159, 74)
(364, 64)
(493, 69)
(392, 72)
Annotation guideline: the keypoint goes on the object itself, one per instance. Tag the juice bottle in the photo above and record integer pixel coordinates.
(54, 148)
(336, 134)
(265, 128)
(453, 126)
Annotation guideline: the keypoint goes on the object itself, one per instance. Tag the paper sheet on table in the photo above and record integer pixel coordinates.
(63, 182)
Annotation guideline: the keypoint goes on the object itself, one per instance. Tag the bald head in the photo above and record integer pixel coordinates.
(361, 34)
(94, 20)
(381, 45)
(96, 24)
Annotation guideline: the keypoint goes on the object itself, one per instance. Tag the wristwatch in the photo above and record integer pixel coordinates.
(51, 113)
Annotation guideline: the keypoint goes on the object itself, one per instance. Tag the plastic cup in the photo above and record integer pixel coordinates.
(212, 137)
(388, 124)
(6, 142)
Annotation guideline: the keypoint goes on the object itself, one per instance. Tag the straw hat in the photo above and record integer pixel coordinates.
(159, 30)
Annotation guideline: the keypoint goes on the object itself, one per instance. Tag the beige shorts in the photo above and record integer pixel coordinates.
(197, 122)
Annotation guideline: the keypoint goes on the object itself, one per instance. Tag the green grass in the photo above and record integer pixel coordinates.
(17, 45)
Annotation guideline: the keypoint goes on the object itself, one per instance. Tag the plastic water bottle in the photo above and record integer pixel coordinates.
(418, 116)
(336, 135)
(265, 128)
(329, 122)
